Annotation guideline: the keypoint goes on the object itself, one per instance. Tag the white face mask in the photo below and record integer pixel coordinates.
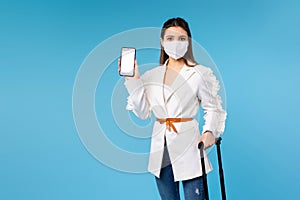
(176, 49)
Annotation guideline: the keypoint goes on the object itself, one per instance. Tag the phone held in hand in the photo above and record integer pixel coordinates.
(127, 61)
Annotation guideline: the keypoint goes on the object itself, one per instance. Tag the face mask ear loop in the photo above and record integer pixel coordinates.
(162, 44)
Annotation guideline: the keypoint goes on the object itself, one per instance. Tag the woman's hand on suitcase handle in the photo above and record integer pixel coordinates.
(136, 70)
(208, 139)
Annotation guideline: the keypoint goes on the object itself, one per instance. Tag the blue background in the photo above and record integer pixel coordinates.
(254, 43)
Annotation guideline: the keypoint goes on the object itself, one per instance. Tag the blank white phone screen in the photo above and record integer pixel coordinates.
(127, 61)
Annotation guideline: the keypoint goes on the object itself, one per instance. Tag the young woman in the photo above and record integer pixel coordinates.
(173, 92)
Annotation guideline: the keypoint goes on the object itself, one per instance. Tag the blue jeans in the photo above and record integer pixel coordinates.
(169, 190)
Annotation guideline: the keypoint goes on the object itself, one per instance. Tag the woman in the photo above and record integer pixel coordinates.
(174, 91)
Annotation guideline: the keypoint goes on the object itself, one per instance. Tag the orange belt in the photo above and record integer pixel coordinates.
(169, 122)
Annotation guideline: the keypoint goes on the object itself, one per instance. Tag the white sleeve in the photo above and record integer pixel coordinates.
(137, 100)
(214, 114)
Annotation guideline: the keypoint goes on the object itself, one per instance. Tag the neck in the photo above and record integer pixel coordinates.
(172, 63)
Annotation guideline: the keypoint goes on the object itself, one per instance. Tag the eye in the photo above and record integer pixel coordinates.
(169, 38)
(182, 38)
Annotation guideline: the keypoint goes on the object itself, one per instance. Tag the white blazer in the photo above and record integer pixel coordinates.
(193, 86)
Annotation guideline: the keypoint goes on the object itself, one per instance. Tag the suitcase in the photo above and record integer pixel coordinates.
(221, 174)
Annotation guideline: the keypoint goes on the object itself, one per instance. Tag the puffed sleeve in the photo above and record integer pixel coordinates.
(214, 114)
(137, 100)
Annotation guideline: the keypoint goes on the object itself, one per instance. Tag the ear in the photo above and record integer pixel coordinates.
(162, 42)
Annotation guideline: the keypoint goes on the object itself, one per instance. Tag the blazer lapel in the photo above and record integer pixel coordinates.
(158, 81)
(180, 80)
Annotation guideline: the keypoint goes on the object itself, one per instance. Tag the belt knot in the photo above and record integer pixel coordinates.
(169, 122)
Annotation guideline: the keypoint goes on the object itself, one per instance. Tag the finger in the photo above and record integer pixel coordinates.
(119, 65)
(202, 138)
(136, 69)
(208, 145)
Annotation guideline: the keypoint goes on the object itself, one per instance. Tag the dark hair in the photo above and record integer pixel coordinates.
(183, 24)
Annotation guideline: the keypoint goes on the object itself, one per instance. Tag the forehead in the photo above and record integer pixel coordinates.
(175, 31)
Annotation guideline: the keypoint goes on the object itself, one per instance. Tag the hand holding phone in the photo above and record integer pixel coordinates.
(127, 63)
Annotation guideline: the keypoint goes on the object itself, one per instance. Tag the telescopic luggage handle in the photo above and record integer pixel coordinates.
(201, 147)
(221, 173)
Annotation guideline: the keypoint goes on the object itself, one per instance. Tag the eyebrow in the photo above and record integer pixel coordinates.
(178, 36)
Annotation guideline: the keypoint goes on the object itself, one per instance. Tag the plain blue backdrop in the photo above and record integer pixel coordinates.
(255, 45)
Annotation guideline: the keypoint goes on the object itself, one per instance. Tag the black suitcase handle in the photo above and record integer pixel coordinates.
(221, 173)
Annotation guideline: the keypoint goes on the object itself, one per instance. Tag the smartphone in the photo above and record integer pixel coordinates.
(127, 61)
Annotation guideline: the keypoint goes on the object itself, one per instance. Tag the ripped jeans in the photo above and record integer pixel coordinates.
(169, 190)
